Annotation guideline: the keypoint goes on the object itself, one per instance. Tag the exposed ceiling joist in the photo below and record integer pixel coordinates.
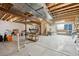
(66, 8)
(13, 12)
(50, 5)
(66, 16)
(69, 10)
(11, 16)
(19, 22)
(18, 14)
(68, 13)
(4, 16)
(34, 22)
(23, 19)
(59, 6)
(15, 18)
(18, 18)
(6, 6)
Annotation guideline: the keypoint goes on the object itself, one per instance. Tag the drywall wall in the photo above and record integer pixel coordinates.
(4, 25)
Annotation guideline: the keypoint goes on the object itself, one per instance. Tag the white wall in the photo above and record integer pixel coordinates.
(60, 26)
(10, 26)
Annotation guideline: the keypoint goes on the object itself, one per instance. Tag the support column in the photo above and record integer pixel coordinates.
(25, 29)
(18, 43)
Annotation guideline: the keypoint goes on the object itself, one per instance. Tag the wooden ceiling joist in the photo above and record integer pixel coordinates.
(34, 22)
(1, 14)
(53, 5)
(15, 18)
(59, 6)
(23, 19)
(66, 8)
(11, 16)
(4, 16)
(6, 6)
(13, 12)
(19, 22)
(66, 16)
(68, 13)
(18, 14)
(69, 10)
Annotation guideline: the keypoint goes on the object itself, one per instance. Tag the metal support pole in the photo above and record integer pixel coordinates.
(25, 29)
(18, 42)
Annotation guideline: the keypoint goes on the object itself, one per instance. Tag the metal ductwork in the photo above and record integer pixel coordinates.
(40, 10)
(37, 9)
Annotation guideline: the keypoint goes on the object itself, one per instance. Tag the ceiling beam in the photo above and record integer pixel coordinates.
(15, 18)
(20, 14)
(53, 5)
(34, 22)
(28, 22)
(59, 7)
(4, 16)
(11, 16)
(68, 13)
(23, 19)
(65, 19)
(19, 22)
(66, 8)
(50, 5)
(66, 16)
(69, 10)
(6, 6)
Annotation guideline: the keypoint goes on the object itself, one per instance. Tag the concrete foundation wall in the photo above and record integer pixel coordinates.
(10, 26)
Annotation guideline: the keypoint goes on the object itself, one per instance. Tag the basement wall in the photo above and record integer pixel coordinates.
(4, 25)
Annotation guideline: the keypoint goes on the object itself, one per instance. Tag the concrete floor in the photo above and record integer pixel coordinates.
(54, 45)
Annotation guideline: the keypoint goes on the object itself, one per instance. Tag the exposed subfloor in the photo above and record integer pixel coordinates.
(54, 45)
